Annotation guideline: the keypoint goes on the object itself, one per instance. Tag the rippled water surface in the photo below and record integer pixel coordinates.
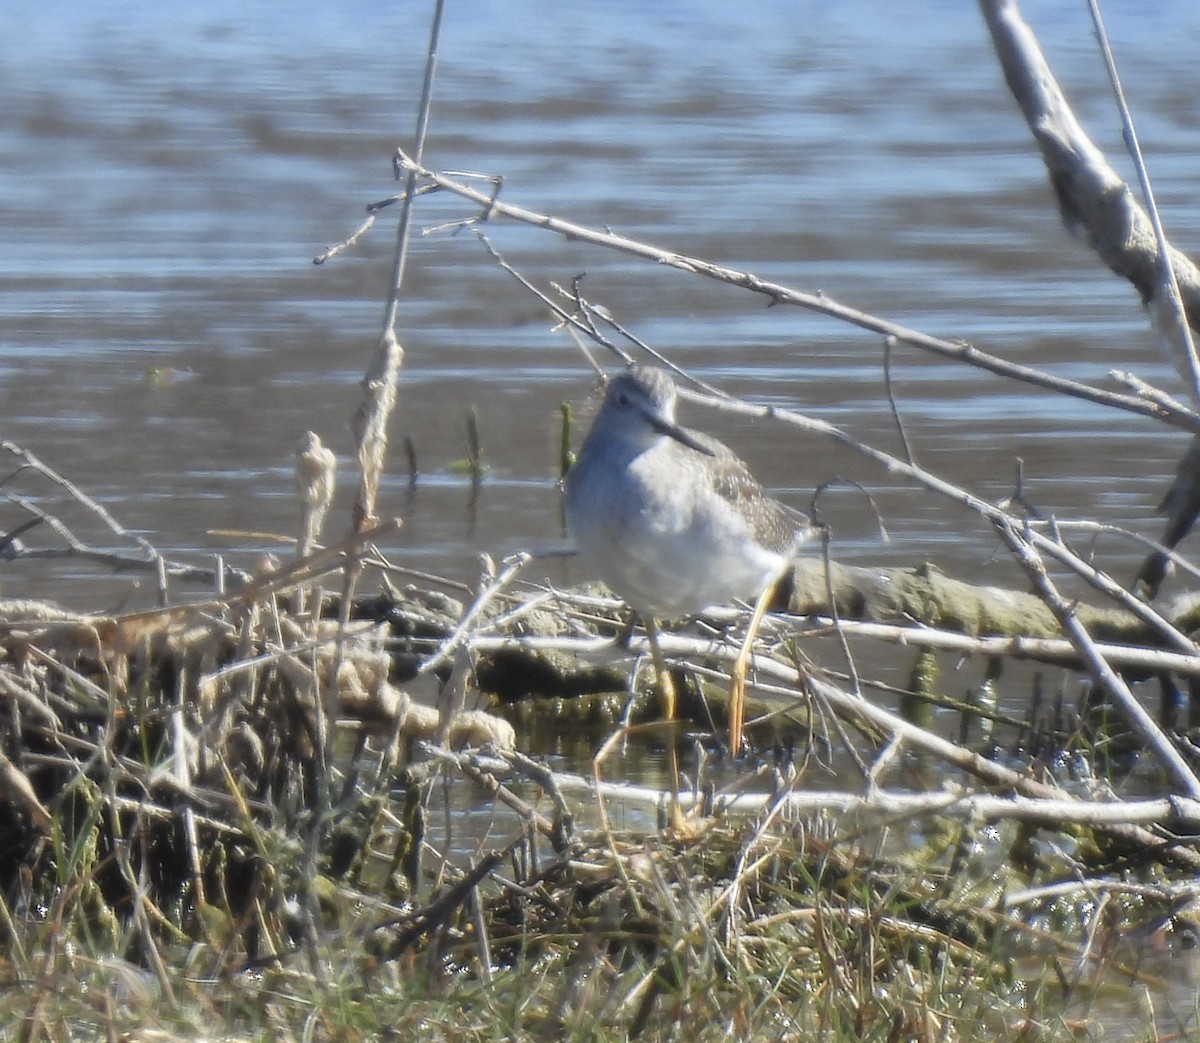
(167, 173)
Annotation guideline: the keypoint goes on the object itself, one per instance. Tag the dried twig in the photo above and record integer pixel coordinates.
(1097, 204)
(962, 352)
(1133, 711)
(1094, 200)
(379, 382)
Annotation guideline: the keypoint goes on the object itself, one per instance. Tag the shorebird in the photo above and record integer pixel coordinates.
(673, 522)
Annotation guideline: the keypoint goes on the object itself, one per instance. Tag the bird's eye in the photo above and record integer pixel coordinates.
(622, 398)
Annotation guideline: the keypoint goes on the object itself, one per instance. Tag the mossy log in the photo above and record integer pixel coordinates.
(925, 596)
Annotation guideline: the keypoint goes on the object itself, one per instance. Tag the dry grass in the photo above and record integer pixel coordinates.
(179, 862)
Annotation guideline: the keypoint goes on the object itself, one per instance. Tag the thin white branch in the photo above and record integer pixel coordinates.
(779, 294)
(1175, 813)
(1101, 670)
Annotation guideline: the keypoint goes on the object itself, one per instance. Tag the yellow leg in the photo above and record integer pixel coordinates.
(666, 689)
(666, 686)
(737, 675)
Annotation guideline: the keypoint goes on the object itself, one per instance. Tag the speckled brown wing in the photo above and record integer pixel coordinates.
(777, 527)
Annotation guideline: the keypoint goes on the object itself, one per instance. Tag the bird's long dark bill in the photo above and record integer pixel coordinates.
(679, 434)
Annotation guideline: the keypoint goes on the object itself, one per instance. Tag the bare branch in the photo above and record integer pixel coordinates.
(379, 382)
(1096, 203)
(1133, 711)
(779, 294)
(1098, 206)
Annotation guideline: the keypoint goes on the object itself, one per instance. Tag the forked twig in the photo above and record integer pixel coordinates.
(1103, 673)
(1186, 420)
